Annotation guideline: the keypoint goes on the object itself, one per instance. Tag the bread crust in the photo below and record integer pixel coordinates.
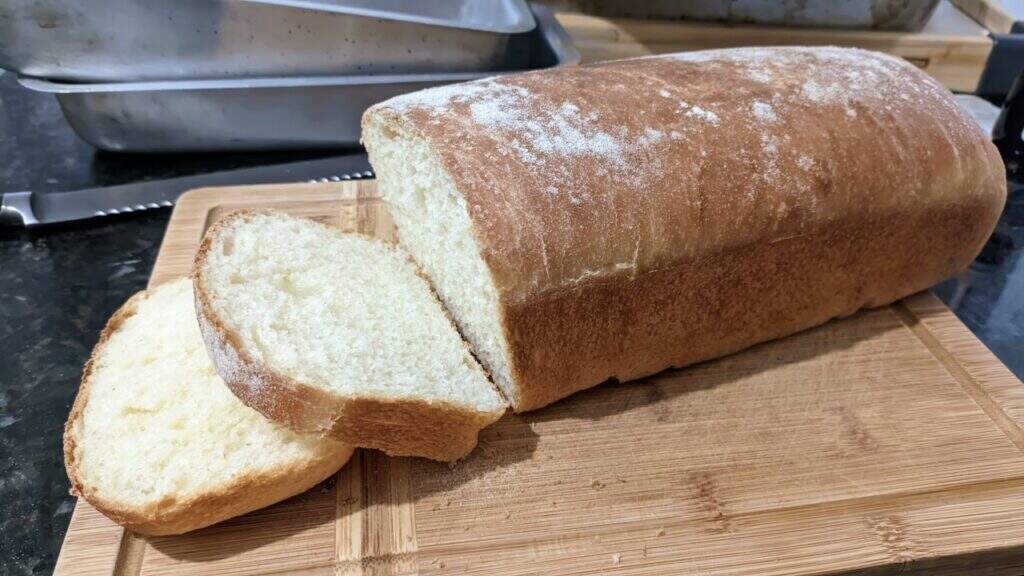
(399, 427)
(756, 192)
(175, 516)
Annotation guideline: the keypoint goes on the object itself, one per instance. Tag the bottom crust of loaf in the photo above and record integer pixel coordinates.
(627, 328)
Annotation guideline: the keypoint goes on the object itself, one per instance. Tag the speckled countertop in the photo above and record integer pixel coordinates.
(58, 287)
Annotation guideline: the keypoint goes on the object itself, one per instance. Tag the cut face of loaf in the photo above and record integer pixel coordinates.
(435, 226)
(338, 333)
(617, 219)
(156, 441)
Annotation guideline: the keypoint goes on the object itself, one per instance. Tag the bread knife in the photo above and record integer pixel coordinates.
(31, 209)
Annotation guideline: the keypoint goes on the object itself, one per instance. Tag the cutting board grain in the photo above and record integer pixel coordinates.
(890, 442)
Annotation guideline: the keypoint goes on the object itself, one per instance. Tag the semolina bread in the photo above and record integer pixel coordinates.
(338, 333)
(620, 218)
(156, 441)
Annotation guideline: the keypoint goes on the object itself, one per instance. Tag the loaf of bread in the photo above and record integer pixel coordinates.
(156, 441)
(617, 219)
(338, 334)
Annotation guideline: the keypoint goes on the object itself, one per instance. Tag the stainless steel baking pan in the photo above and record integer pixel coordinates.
(130, 40)
(910, 15)
(266, 113)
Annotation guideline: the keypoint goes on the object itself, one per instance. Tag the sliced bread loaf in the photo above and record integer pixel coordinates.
(156, 441)
(620, 218)
(339, 333)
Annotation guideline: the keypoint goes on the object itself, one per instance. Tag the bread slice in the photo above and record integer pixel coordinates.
(333, 332)
(156, 441)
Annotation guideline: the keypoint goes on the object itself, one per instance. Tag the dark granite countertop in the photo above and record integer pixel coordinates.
(59, 286)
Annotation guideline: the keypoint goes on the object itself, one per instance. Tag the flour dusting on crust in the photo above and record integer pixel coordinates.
(546, 134)
(538, 131)
(226, 361)
(576, 155)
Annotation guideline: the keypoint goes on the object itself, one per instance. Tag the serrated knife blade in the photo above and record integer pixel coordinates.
(30, 209)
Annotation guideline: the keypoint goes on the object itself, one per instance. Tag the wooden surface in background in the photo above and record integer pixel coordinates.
(888, 442)
(951, 48)
(987, 13)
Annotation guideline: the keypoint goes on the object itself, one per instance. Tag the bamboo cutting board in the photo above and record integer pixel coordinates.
(952, 48)
(888, 442)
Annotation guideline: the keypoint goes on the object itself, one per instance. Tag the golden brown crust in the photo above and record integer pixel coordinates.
(244, 494)
(634, 329)
(398, 427)
(637, 215)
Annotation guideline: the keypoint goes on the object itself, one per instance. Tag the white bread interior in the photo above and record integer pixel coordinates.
(434, 225)
(158, 443)
(339, 332)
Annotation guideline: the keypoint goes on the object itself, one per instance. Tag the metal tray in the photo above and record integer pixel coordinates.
(909, 15)
(130, 40)
(267, 113)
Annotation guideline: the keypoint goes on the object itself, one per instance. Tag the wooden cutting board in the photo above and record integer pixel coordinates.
(952, 47)
(888, 442)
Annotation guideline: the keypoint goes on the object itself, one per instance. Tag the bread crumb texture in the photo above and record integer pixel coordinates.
(160, 426)
(341, 312)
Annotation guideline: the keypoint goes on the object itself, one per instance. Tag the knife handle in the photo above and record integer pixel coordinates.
(16, 209)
